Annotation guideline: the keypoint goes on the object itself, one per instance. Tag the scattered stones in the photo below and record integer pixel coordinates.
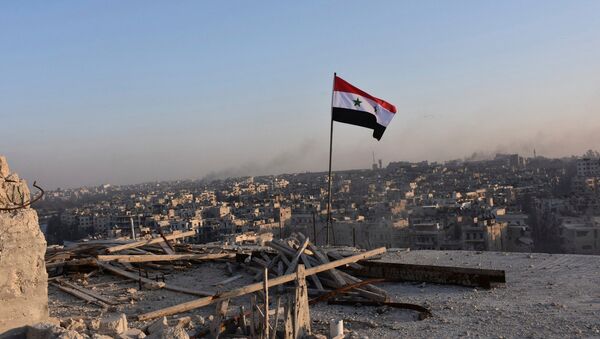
(134, 333)
(170, 333)
(75, 325)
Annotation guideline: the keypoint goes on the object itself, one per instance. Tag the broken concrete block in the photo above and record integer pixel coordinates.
(184, 322)
(101, 336)
(134, 333)
(113, 324)
(77, 325)
(94, 325)
(23, 277)
(170, 333)
(176, 333)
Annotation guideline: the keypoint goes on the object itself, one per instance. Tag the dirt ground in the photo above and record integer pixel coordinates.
(546, 296)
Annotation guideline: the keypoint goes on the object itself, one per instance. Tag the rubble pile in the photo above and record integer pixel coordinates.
(290, 269)
(23, 286)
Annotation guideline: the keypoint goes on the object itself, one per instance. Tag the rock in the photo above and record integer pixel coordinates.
(170, 333)
(113, 324)
(4, 169)
(134, 333)
(199, 320)
(184, 322)
(71, 335)
(77, 325)
(101, 336)
(94, 324)
(382, 309)
(158, 326)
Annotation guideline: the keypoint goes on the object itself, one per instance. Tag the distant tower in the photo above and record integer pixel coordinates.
(534, 155)
(374, 166)
(380, 164)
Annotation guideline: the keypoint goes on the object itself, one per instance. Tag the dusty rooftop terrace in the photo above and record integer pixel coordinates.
(546, 295)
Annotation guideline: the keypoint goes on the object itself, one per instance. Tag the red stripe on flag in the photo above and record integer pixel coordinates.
(342, 85)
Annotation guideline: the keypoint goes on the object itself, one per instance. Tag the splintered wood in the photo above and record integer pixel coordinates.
(257, 286)
(282, 266)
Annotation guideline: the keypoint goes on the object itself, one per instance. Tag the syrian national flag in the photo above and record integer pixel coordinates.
(356, 107)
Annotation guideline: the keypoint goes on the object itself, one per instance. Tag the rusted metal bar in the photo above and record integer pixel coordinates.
(12, 208)
(343, 289)
(471, 277)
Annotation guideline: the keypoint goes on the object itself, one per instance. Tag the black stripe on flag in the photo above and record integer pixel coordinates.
(359, 118)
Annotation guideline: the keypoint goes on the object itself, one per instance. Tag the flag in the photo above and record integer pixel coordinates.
(354, 106)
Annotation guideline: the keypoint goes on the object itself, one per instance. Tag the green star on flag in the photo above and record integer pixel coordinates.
(357, 102)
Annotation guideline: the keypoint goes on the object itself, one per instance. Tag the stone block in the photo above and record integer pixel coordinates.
(113, 324)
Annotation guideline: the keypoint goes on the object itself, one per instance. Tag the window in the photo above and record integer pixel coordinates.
(582, 233)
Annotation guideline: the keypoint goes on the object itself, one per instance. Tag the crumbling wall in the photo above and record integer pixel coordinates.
(23, 278)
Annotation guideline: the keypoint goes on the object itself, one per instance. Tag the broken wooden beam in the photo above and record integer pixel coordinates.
(80, 295)
(130, 275)
(190, 305)
(292, 267)
(149, 242)
(162, 257)
(88, 292)
(470, 277)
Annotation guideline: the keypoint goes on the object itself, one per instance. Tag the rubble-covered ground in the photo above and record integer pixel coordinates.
(546, 295)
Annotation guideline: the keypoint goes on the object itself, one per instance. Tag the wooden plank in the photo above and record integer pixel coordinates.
(80, 295)
(266, 293)
(274, 332)
(162, 257)
(292, 267)
(216, 326)
(301, 310)
(166, 248)
(190, 305)
(470, 277)
(314, 277)
(335, 255)
(243, 322)
(88, 292)
(334, 274)
(253, 316)
(352, 280)
(149, 242)
(130, 275)
(288, 326)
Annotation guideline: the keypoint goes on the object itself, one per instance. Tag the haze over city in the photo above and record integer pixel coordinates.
(93, 94)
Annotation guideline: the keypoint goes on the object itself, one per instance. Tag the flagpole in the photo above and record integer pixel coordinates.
(329, 176)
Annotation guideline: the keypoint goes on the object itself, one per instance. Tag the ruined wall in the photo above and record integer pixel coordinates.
(23, 278)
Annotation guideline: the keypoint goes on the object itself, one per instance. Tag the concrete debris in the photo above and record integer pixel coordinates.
(113, 324)
(134, 333)
(23, 277)
(170, 333)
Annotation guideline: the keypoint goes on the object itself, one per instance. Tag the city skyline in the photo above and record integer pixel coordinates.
(155, 92)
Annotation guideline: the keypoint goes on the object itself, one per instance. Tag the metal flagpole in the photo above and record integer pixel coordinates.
(329, 176)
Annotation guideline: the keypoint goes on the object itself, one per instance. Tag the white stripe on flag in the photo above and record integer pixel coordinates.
(347, 100)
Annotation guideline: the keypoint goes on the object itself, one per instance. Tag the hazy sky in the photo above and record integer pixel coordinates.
(132, 91)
